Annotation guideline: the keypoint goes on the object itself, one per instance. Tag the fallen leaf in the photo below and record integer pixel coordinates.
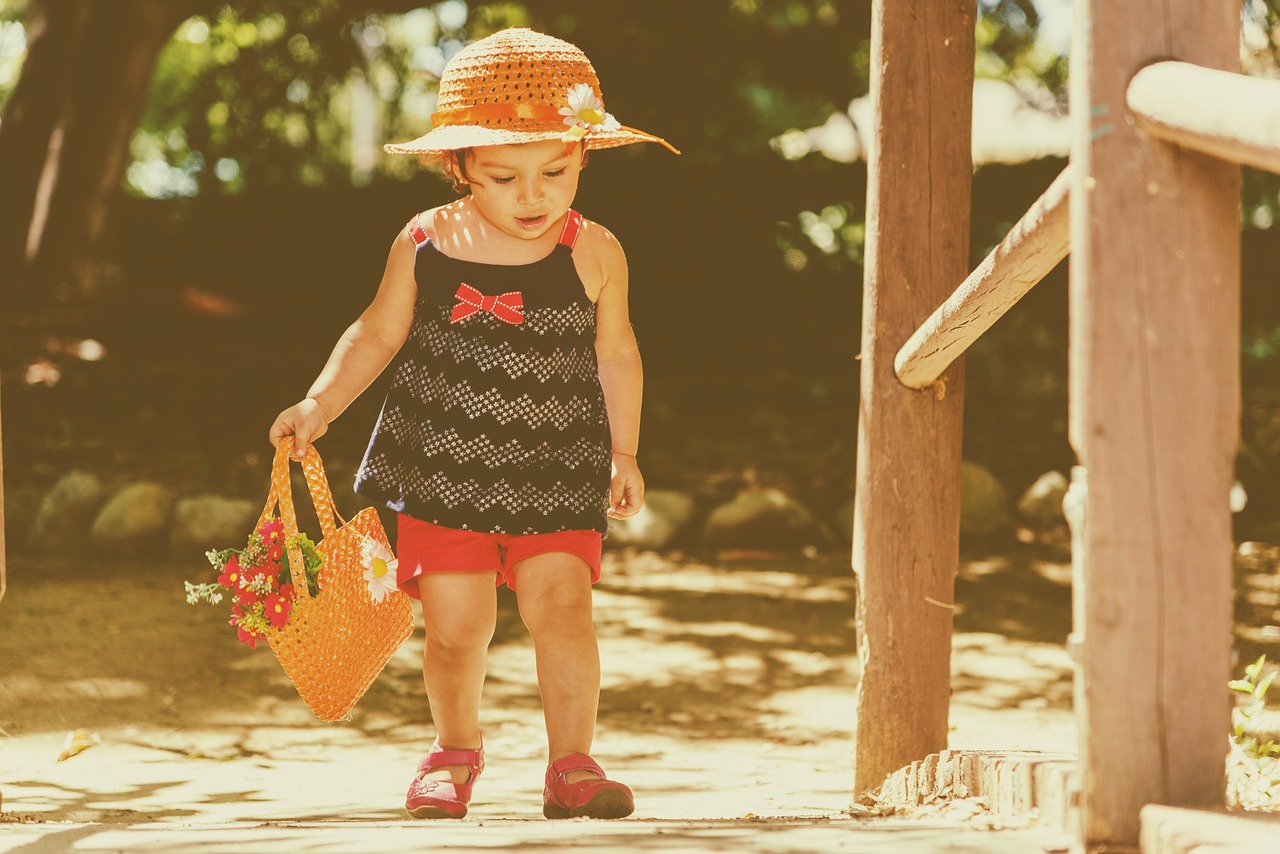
(78, 741)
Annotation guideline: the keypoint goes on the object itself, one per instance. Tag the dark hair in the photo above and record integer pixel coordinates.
(454, 165)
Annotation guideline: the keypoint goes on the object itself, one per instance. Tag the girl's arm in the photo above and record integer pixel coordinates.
(363, 351)
(621, 377)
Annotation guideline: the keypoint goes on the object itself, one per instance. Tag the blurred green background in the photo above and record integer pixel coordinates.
(194, 204)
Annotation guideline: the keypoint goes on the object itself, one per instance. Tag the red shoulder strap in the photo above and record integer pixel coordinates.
(416, 232)
(572, 225)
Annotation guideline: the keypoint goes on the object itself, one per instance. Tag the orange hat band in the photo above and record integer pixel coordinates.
(488, 112)
(481, 113)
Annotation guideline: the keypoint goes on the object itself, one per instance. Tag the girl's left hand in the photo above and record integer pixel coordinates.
(626, 487)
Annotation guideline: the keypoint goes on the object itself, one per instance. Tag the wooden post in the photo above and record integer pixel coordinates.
(1155, 403)
(907, 502)
(3, 584)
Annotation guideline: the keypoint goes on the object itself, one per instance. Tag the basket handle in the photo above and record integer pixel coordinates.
(282, 494)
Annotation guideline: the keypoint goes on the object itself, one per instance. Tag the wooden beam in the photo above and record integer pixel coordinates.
(907, 502)
(1171, 830)
(1228, 115)
(1155, 406)
(1031, 249)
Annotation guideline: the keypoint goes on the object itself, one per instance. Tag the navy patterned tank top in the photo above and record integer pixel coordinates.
(495, 420)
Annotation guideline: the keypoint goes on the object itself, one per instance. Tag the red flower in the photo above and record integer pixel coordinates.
(248, 637)
(277, 610)
(272, 532)
(247, 598)
(231, 572)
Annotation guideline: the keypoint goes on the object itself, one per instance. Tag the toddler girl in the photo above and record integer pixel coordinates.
(510, 430)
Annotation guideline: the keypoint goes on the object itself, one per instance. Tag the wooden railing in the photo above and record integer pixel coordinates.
(1231, 116)
(1150, 202)
(1031, 249)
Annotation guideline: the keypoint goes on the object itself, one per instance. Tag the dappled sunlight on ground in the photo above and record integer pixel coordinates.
(728, 689)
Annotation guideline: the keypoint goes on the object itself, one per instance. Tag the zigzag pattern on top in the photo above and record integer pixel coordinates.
(422, 435)
(491, 425)
(477, 500)
(566, 364)
(432, 386)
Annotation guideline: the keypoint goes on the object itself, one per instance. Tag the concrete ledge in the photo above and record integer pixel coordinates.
(1177, 830)
(1020, 784)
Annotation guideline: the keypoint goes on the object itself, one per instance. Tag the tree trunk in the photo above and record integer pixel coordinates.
(54, 30)
(65, 136)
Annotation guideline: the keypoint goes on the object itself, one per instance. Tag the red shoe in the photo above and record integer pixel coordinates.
(597, 798)
(438, 798)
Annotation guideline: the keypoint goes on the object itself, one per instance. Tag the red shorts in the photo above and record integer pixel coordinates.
(422, 548)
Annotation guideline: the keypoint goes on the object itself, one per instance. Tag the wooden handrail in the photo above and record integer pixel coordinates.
(1031, 249)
(1232, 116)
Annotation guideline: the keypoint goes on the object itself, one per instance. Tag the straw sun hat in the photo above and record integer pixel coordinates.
(516, 86)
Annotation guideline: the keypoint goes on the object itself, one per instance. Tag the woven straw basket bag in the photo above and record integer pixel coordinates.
(337, 642)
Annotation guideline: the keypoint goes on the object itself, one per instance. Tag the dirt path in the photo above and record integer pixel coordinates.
(728, 693)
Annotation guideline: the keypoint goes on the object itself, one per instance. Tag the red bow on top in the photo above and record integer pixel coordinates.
(508, 307)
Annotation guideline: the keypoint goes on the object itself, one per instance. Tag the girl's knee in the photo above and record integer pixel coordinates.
(557, 612)
(459, 610)
(460, 631)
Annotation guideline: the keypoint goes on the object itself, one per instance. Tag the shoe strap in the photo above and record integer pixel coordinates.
(440, 756)
(576, 762)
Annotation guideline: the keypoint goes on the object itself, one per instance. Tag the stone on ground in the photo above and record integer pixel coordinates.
(664, 514)
(984, 504)
(134, 521)
(62, 521)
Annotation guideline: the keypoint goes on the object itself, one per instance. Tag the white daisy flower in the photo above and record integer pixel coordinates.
(379, 568)
(586, 111)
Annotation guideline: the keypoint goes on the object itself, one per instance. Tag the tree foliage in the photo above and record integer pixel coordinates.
(262, 112)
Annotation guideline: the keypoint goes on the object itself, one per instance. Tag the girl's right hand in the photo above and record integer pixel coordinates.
(305, 421)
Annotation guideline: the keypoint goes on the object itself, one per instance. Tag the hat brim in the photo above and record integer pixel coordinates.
(441, 140)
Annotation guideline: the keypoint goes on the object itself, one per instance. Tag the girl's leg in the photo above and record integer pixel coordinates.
(554, 594)
(460, 611)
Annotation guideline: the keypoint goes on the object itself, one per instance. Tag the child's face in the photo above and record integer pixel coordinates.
(524, 189)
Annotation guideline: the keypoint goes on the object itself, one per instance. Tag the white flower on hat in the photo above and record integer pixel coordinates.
(379, 568)
(586, 111)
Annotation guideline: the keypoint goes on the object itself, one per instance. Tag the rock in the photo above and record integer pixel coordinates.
(20, 508)
(133, 521)
(665, 513)
(1041, 504)
(203, 522)
(766, 519)
(984, 504)
(65, 513)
